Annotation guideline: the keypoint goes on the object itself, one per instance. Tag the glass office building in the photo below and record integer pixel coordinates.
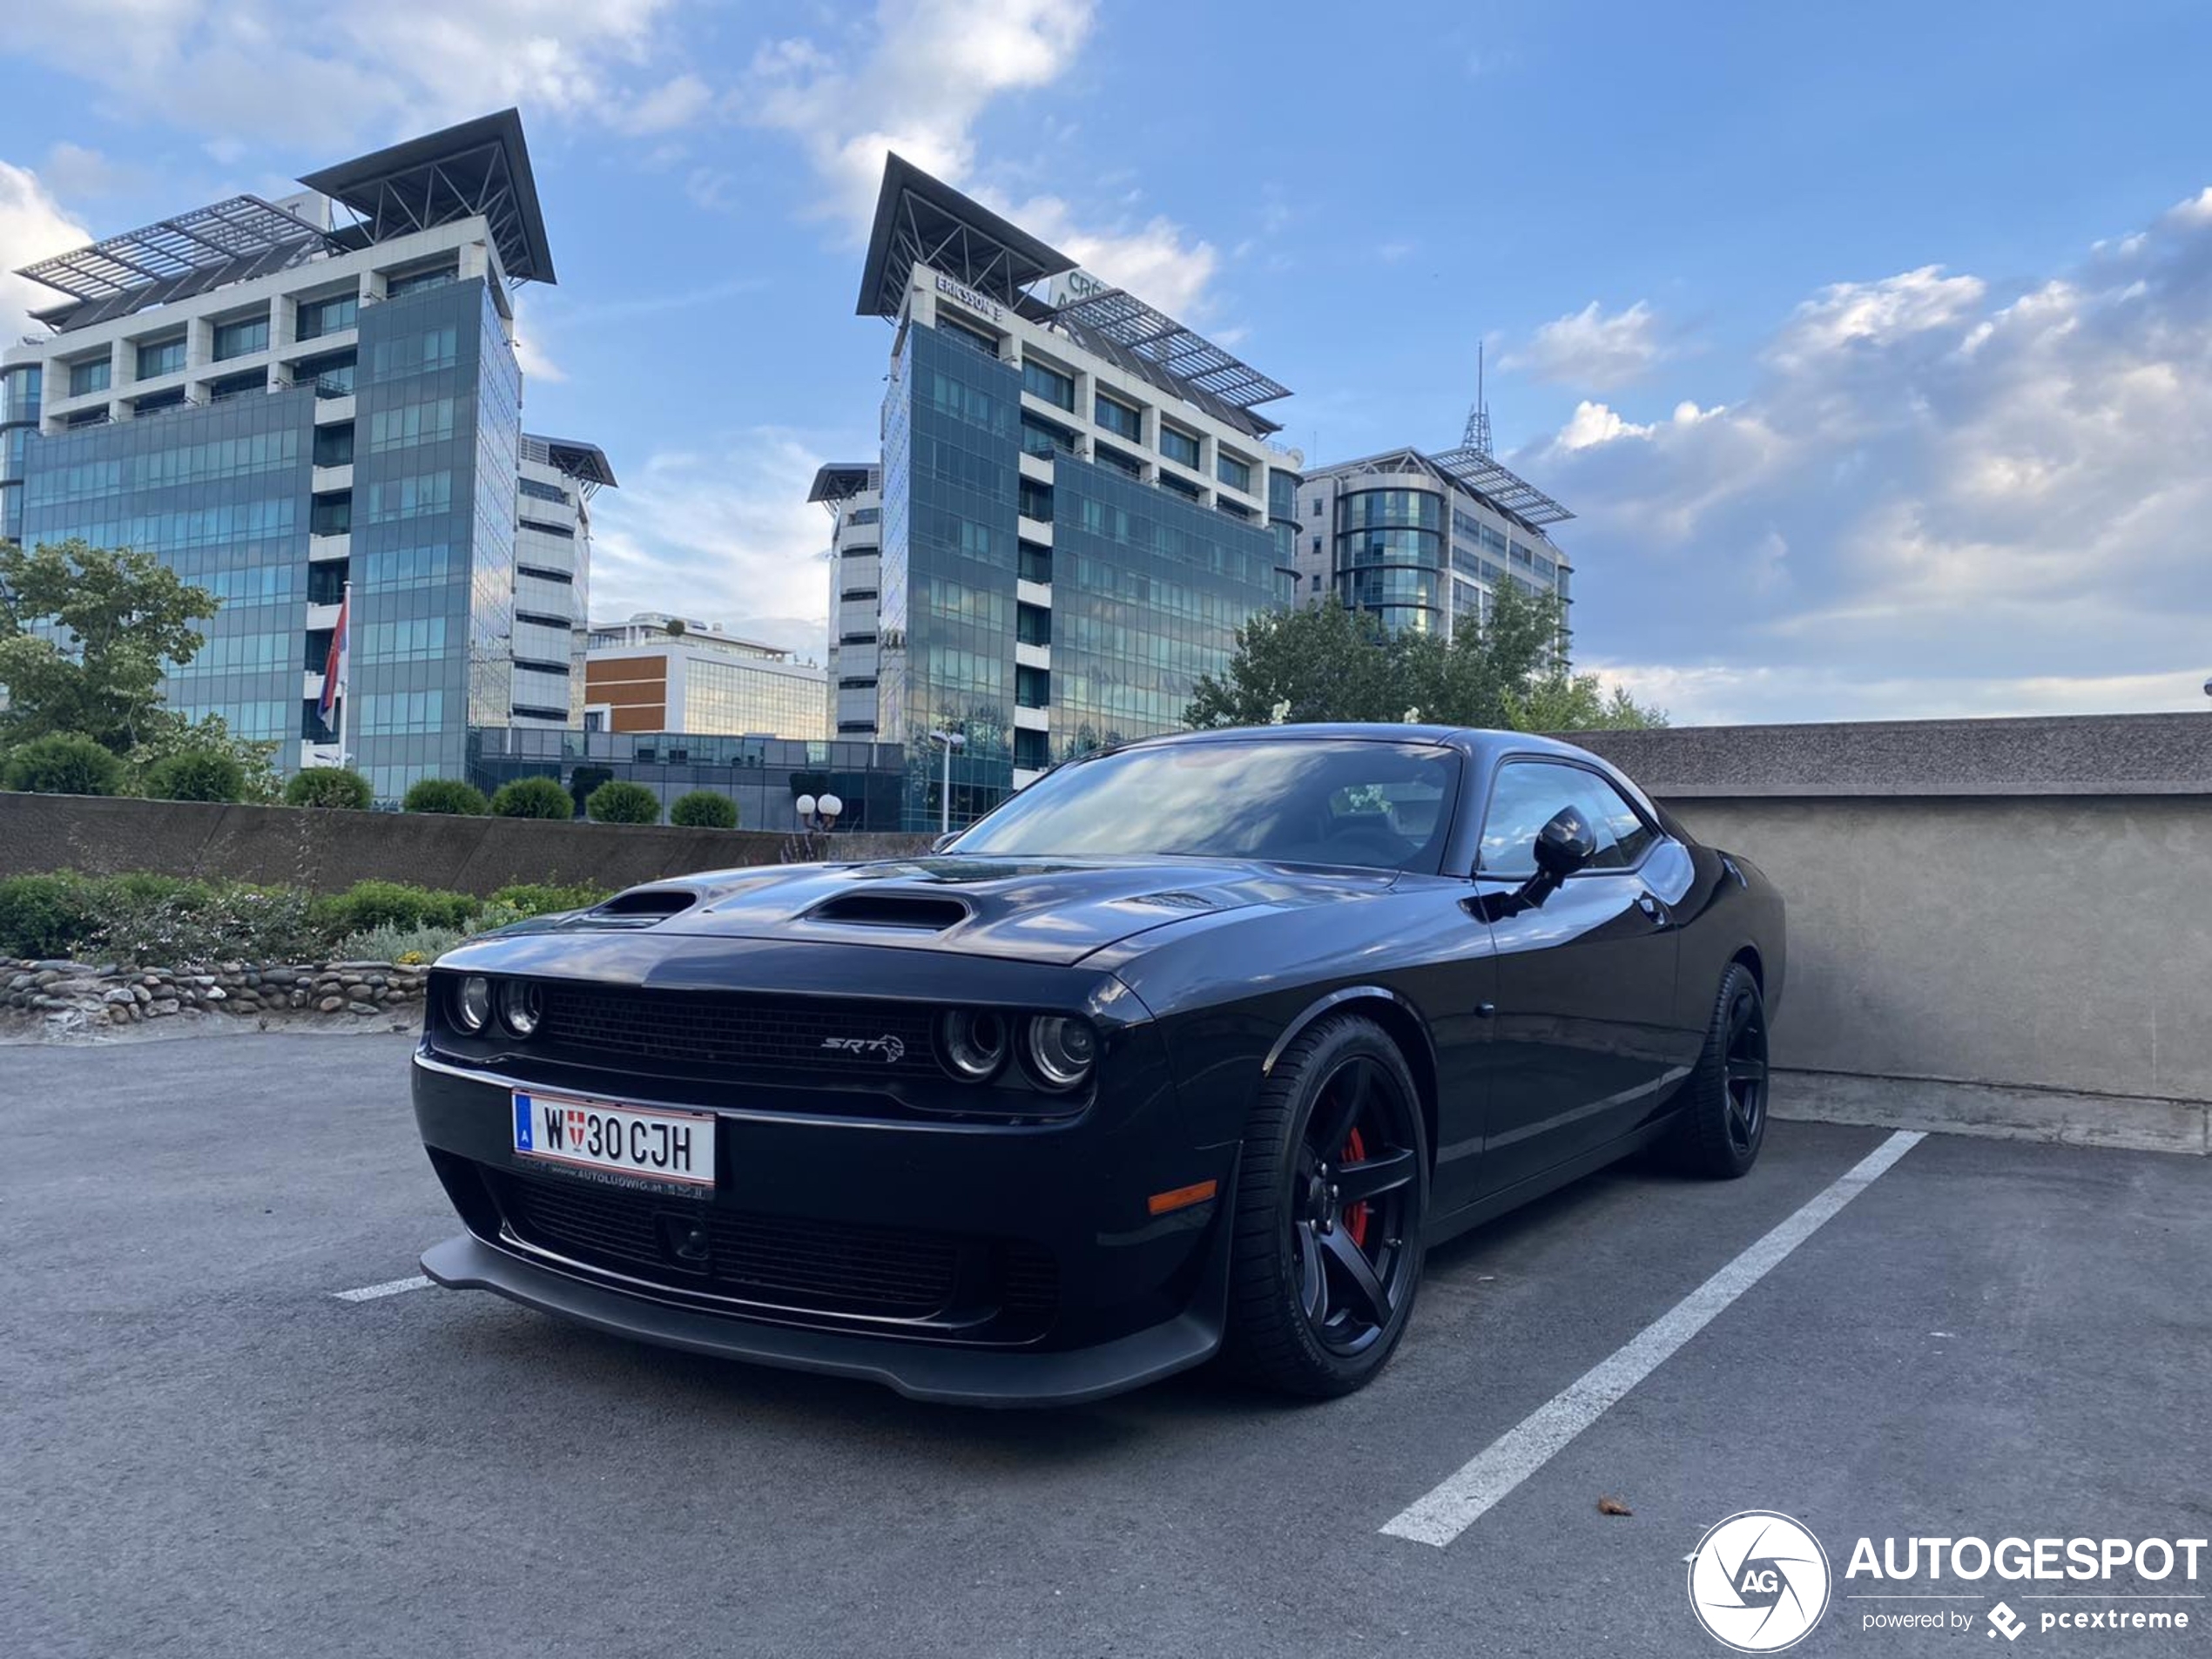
(1075, 509)
(281, 399)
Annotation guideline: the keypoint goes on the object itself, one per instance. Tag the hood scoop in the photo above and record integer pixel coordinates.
(920, 912)
(648, 904)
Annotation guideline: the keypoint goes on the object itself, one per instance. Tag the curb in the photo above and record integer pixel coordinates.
(2131, 1123)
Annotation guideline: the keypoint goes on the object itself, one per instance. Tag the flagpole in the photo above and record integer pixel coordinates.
(345, 666)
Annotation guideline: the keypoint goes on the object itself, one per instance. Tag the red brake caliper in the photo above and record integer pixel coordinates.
(1355, 1217)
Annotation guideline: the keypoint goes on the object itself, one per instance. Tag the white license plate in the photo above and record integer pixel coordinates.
(627, 1145)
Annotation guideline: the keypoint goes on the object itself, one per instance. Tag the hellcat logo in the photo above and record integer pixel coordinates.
(890, 1048)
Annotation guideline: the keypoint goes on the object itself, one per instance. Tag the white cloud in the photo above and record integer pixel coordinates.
(672, 104)
(1936, 500)
(33, 225)
(918, 84)
(530, 353)
(74, 170)
(318, 73)
(1588, 348)
(721, 535)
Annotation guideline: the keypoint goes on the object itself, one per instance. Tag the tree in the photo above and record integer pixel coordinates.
(62, 763)
(704, 809)
(86, 635)
(621, 802)
(196, 774)
(335, 787)
(1325, 663)
(533, 798)
(209, 738)
(447, 795)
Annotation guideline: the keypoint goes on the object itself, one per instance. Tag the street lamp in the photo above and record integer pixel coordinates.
(818, 814)
(952, 741)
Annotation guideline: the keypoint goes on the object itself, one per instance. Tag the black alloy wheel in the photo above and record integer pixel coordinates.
(1724, 1103)
(1330, 1199)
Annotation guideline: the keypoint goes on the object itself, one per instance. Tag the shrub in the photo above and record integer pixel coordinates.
(197, 924)
(197, 774)
(447, 795)
(400, 944)
(541, 899)
(63, 763)
(624, 803)
(331, 786)
(533, 798)
(367, 905)
(704, 809)
(49, 915)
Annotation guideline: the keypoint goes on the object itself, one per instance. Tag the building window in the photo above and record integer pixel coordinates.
(331, 516)
(1042, 437)
(1181, 487)
(1032, 687)
(1032, 750)
(1035, 502)
(91, 376)
(1050, 384)
(162, 357)
(169, 400)
(321, 317)
(1317, 577)
(334, 445)
(1120, 461)
(1032, 625)
(241, 338)
(1236, 474)
(537, 491)
(1035, 562)
(952, 328)
(417, 281)
(1119, 417)
(333, 372)
(254, 379)
(1179, 446)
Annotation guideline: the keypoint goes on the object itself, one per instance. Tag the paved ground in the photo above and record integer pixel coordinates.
(206, 1452)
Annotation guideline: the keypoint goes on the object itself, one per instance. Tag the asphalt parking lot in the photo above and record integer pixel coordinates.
(207, 1451)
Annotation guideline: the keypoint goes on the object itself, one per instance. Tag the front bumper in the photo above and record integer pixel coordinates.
(1127, 1298)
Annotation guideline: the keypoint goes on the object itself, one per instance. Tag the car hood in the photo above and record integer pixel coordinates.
(1044, 910)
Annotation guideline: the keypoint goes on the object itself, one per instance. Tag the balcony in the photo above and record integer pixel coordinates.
(328, 479)
(1033, 593)
(320, 619)
(339, 546)
(1034, 529)
(1028, 719)
(1028, 656)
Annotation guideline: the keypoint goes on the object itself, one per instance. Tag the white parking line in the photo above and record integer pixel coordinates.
(390, 1287)
(1461, 1501)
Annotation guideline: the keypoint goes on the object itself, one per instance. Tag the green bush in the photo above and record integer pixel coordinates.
(199, 924)
(64, 763)
(624, 803)
(447, 795)
(391, 904)
(533, 798)
(331, 786)
(542, 898)
(704, 809)
(400, 944)
(49, 915)
(197, 774)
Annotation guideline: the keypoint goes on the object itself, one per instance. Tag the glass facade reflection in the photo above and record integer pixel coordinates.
(1149, 591)
(1390, 556)
(19, 405)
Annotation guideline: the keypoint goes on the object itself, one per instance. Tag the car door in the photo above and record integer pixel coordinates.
(1585, 1036)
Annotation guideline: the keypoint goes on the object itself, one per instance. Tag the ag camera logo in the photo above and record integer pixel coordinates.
(1758, 1582)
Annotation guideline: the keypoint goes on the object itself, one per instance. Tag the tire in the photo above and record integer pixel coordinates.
(1305, 1316)
(1723, 1123)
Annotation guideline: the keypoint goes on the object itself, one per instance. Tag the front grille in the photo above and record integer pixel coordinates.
(829, 1267)
(714, 1031)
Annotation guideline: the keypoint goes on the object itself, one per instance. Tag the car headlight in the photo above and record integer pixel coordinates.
(521, 1006)
(974, 1043)
(1061, 1050)
(473, 1007)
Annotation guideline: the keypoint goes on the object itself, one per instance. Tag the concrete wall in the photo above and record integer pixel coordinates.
(331, 850)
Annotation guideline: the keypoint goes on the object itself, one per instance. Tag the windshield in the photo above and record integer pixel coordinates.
(1382, 806)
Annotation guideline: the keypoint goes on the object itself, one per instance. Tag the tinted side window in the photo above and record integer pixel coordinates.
(1523, 798)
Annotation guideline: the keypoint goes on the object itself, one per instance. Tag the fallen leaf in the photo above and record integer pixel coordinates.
(1613, 1507)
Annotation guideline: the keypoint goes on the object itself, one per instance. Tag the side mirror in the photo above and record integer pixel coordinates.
(944, 841)
(1563, 845)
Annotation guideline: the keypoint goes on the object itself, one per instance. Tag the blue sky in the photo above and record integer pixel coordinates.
(1873, 347)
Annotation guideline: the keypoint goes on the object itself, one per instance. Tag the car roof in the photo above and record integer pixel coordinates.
(1473, 740)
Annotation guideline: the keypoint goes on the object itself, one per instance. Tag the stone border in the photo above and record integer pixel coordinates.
(71, 997)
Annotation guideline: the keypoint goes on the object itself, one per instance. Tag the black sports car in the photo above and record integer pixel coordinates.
(1192, 1047)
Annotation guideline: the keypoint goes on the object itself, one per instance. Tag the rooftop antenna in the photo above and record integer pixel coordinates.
(1477, 436)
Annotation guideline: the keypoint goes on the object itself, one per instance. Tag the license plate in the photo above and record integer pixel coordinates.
(643, 1146)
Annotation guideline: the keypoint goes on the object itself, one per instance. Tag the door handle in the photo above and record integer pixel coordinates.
(1650, 906)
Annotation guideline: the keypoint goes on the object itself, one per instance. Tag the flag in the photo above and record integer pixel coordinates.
(333, 669)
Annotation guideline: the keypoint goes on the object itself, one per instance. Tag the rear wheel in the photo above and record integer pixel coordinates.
(1723, 1117)
(1331, 1197)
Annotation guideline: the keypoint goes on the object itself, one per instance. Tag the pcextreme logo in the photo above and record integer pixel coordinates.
(1758, 1582)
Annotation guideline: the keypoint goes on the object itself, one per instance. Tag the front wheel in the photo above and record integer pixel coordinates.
(1331, 1197)
(1723, 1111)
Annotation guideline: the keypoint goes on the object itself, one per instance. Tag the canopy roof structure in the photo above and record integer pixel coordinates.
(585, 462)
(1471, 469)
(841, 481)
(924, 220)
(479, 167)
(1159, 339)
(226, 242)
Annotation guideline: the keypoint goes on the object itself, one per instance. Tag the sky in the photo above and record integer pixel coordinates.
(1871, 348)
